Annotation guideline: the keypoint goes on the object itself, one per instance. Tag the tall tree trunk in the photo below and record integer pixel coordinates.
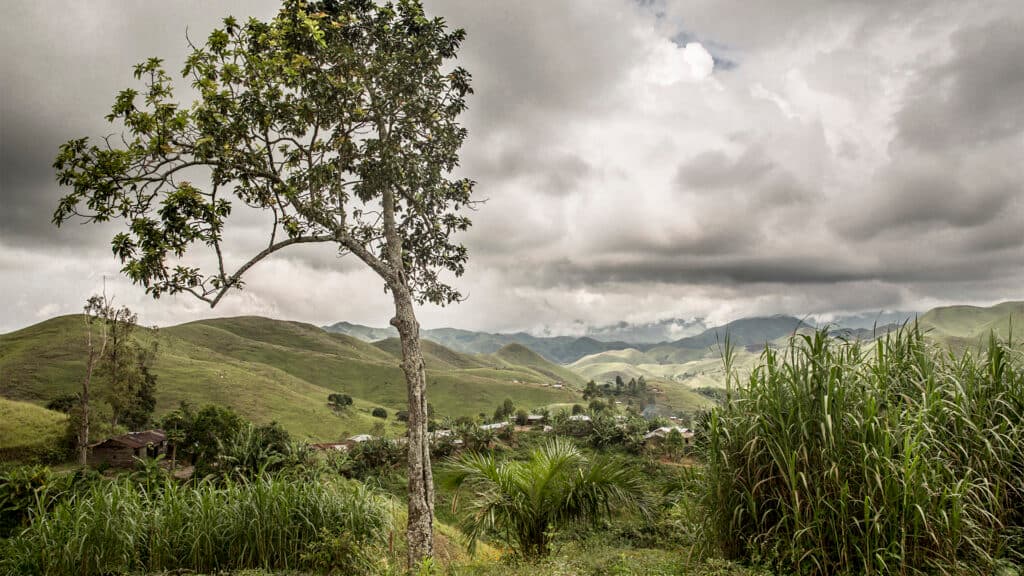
(83, 427)
(420, 532)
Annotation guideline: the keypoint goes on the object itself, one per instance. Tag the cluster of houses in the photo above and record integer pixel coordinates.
(558, 384)
(122, 451)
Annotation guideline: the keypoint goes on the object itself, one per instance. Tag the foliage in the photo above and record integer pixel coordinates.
(379, 412)
(504, 410)
(271, 523)
(63, 403)
(206, 430)
(28, 490)
(892, 459)
(523, 503)
(374, 456)
(339, 400)
(254, 450)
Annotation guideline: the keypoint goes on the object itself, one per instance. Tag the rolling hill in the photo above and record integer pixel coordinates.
(27, 427)
(961, 328)
(278, 370)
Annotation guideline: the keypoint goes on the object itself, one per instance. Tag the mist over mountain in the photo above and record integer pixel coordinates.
(865, 320)
(665, 330)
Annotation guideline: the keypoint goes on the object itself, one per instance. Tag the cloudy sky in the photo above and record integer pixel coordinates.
(640, 160)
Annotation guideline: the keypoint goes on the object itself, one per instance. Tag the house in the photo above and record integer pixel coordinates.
(579, 418)
(328, 446)
(122, 451)
(534, 418)
(661, 433)
(495, 426)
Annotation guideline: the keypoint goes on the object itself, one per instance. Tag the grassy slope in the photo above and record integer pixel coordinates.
(274, 370)
(966, 327)
(25, 425)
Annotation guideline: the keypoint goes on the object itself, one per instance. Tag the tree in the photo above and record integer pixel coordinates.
(63, 403)
(96, 338)
(522, 417)
(337, 120)
(504, 410)
(522, 502)
(339, 401)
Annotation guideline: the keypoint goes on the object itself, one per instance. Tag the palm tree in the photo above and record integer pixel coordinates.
(523, 503)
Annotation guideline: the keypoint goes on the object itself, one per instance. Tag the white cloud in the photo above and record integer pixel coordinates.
(700, 60)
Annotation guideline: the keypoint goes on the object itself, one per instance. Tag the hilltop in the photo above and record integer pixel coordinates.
(278, 370)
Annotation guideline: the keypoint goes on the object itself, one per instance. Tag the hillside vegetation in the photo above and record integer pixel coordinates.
(276, 370)
(25, 427)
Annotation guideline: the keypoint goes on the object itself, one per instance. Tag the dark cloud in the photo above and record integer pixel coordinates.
(837, 156)
(976, 97)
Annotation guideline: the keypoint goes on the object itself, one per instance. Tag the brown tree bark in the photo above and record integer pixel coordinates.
(93, 357)
(420, 531)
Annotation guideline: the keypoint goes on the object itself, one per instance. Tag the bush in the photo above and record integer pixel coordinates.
(379, 412)
(834, 459)
(269, 523)
(523, 503)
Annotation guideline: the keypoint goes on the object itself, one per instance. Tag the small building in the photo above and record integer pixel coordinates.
(579, 418)
(494, 426)
(534, 418)
(329, 446)
(659, 434)
(122, 451)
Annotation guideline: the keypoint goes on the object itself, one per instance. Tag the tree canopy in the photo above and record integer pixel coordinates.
(322, 117)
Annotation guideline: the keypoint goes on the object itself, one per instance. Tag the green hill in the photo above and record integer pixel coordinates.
(27, 427)
(277, 370)
(967, 327)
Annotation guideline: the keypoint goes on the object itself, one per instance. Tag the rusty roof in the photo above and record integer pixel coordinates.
(137, 439)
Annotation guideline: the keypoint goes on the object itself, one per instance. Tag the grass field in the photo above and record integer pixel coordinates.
(25, 426)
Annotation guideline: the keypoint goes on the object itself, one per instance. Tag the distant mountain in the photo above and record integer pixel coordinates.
(745, 332)
(868, 320)
(364, 333)
(696, 362)
(560, 349)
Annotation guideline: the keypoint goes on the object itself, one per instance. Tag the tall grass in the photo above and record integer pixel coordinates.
(268, 523)
(891, 458)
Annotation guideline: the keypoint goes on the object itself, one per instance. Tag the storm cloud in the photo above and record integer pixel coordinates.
(639, 161)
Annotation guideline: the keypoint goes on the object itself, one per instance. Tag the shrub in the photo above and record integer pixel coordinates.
(836, 459)
(379, 412)
(557, 487)
(269, 523)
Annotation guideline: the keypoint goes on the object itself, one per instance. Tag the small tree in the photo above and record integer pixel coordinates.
(96, 338)
(339, 401)
(523, 502)
(337, 120)
(522, 417)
